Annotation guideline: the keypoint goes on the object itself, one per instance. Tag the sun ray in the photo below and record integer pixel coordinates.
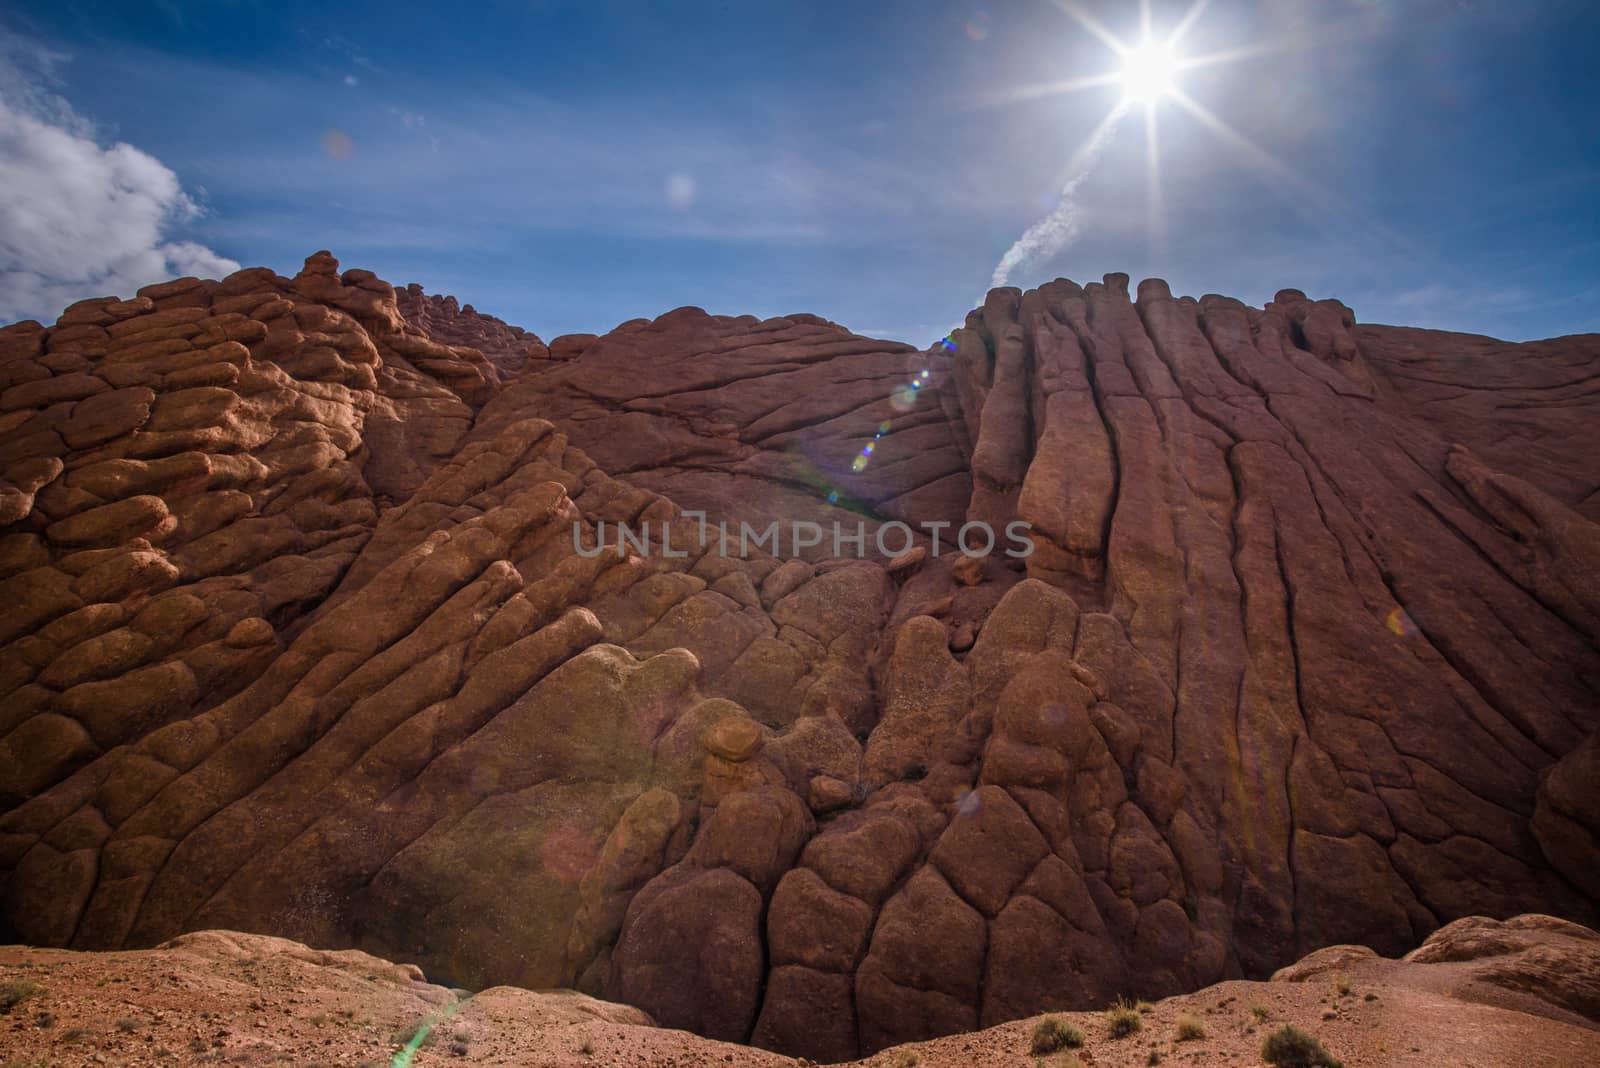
(1326, 209)
(1188, 21)
(1257, 155)
(1093, 25)
(1156, 221)
(1023, 93)
(1234, 55)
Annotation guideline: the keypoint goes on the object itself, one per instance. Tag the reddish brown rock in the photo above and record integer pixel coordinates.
(217, 996)
(317, 623)
(510, 348)
(690, 953)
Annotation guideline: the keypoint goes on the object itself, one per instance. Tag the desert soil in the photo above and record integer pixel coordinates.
(219, 997)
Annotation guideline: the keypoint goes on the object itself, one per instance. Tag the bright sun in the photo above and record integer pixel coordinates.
(1148, 71)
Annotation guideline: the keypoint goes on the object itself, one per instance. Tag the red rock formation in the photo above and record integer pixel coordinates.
(509, 348)
(301, 642)
(1523, 992)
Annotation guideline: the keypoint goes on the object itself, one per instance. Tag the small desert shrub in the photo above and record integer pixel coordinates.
(1290, 1047)
(1065, 1059)
(1144, 1007)
(1053, 1033)
(128, 1024)
(1154, 1058)
(1342, 985)
(587, 1049)
(1260, 1012)
(1122, 1019)
(14, 992)
(906, 1058)
(1190, 1029)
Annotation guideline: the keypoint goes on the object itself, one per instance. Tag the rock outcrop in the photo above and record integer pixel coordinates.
(1477, 993)
(509, 348)
(323, 623)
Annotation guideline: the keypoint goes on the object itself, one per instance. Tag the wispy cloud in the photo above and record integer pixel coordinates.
(77, 218)
(495, 154)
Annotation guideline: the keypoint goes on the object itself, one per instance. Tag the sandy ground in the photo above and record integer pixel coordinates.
(224, 998)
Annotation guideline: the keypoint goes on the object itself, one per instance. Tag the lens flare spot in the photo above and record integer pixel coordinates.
(968, 805)
(1400, 623)
(680, 191)
(337, 144)
(859, 464)
(977, 27)
(1054, 716)
(903, 399)
(568, 853)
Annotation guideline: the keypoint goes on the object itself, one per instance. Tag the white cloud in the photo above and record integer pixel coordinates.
(81, 220)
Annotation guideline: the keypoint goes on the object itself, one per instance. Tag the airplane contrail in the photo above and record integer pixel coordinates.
(1060, 228)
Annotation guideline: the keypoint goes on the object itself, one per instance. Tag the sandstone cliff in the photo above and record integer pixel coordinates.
(299, 641)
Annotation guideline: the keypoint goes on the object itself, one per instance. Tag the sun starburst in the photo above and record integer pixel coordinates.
(1149, 73)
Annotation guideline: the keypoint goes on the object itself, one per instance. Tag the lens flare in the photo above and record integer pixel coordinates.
(680, 191)
(1400, 623)
(568, 853)
(969, 805)
(337, 144)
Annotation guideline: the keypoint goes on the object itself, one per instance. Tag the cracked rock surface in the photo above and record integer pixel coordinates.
(318, 626)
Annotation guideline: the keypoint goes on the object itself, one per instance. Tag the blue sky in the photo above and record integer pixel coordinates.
(569, 166)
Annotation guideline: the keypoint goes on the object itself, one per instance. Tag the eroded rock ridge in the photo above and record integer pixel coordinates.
(300, 640)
